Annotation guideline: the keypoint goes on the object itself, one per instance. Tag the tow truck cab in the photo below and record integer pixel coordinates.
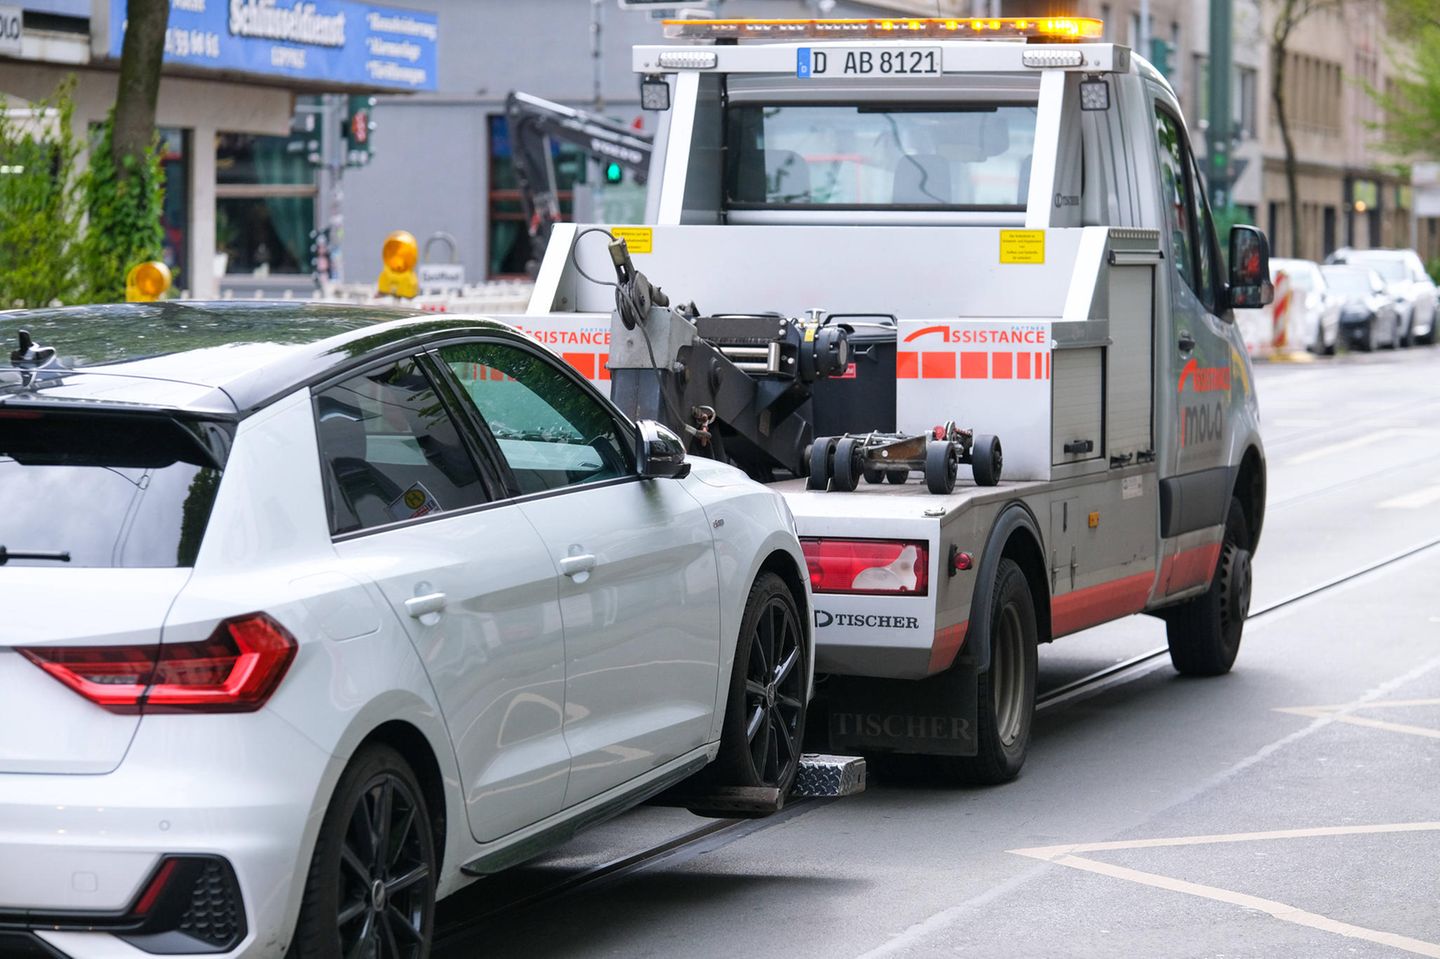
(1025, 203)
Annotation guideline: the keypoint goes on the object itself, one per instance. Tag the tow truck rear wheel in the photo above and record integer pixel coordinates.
(940, 466)
(1006, 694)
(847, 465)
(1204, 633)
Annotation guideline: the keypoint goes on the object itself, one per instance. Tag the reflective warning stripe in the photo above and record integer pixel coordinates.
(971, 365)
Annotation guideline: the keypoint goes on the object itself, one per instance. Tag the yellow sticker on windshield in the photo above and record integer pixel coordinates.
(637, 238)
(1022, 246)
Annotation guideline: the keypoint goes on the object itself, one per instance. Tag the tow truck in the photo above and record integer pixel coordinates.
(1010, 211)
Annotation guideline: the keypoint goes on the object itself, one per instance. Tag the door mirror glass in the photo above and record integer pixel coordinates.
(1250, 284)
(659, 454)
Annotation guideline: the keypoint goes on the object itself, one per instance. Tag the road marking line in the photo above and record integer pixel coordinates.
(1382, 703)
(1316, 713)
(1428, 496)
(1328, 450)
(1279, 910)
(1054, 853)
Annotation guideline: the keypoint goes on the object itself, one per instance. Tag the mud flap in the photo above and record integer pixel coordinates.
(932, 717)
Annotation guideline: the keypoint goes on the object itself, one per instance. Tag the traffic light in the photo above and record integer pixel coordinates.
(614, 172)
(398, 278)
(359, 125)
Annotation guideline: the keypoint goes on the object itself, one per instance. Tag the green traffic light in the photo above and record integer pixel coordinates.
(614, 173)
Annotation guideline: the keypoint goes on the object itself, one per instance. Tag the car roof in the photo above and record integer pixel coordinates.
(223, 358)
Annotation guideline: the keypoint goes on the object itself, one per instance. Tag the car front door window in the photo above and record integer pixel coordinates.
(551, 432)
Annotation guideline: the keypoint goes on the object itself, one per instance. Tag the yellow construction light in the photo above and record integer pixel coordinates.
(399, 255)
(1038, 30)
(147, 282)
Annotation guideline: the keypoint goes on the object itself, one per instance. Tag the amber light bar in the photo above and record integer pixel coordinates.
(1040, 29)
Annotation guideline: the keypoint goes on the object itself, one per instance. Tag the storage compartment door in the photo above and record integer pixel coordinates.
(1078, 394)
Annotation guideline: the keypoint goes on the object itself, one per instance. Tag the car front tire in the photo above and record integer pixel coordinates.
(371, 886)
(760, 741)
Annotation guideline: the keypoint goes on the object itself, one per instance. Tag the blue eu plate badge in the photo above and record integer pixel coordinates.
(802, 63)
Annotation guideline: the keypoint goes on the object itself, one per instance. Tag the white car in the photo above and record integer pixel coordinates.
(1314, 312)
(311, 620)
(1407, 284)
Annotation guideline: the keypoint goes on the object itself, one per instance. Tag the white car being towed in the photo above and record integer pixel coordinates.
(281, 581)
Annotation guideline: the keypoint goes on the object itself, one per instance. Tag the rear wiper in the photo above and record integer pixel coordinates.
(57, 555)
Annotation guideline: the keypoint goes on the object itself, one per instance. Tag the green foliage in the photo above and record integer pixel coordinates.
(40, 210)
(124, 202)
(68, 234)
(1411, 104)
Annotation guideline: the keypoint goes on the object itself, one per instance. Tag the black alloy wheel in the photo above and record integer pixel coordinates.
(775, 692)
(384, 875)
(370, 893)
(764, 728)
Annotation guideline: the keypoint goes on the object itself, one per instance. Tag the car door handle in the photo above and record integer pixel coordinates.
(422, 606)
(577, 564)
(1186, 342)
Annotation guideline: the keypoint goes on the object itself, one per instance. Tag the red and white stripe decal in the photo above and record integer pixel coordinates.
(972, 365)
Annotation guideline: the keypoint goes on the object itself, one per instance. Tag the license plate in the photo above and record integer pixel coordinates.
(819, 63)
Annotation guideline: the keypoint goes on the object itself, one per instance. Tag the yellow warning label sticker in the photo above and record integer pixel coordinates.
(1022, 246)
(637, 238)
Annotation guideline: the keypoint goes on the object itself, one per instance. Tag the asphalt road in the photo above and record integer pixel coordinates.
(1291, 808)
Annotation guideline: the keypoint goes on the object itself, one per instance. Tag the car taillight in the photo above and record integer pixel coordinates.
(867, 566)
(235, 670)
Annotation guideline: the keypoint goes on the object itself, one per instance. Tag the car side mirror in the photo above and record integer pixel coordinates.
(1250, 284)
(659, 453)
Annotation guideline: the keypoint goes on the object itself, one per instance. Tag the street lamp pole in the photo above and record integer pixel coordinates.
(1217, 136)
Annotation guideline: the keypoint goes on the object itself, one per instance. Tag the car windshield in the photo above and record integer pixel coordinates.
(854, 156)
(1349, 282)
(106, 490)
(1391, 268)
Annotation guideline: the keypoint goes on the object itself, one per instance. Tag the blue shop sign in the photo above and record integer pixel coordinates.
(338, 41)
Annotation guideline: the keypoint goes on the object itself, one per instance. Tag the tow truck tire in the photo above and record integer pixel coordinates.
(846, 465)
(986, 460)
(767, 691)
(1006, 695)
(1204, 633)
(898, 477)
(820, 452)
(940, 466)
(340, 908)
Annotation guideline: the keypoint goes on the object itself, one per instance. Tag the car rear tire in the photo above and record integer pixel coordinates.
(764, 727)
(371, 886)
(1204, 633)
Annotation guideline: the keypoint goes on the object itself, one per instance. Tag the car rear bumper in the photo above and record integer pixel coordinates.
(234, 794)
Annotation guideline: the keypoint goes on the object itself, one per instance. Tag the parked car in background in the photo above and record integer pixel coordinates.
(1313, 310)
(1407, 282)
(317, 613)
(1369, 316)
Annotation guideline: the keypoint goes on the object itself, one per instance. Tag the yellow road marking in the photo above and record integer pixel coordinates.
(1314, 712)
(1065, 855)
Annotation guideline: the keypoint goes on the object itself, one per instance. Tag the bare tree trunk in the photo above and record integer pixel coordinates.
(1279, 44)
(139, 85)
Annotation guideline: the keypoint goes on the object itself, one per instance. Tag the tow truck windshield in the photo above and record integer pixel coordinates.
(851, 156)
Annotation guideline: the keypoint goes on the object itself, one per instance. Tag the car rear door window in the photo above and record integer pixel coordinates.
(391, 451)
(551, 432)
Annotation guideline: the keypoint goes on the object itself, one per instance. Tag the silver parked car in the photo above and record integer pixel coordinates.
(1406, 282)
(1368, 316)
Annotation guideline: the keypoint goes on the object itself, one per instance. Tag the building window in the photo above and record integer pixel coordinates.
(509, 238)
(1247, 82)
(265, 204)
(175, 217)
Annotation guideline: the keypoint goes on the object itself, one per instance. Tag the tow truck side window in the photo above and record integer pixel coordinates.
(1178, 199)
